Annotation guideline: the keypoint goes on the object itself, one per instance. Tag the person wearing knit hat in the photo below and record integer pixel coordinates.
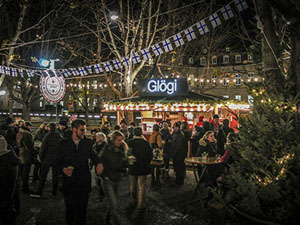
(63, 129)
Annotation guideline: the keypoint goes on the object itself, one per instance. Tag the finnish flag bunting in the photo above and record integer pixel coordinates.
(107, 66)
(178, 40)
(157, 49)
(21, 72)
(227, 12)
(215, 20)
(241, 5)
(167, 45)
(98, 68)
(117, 64)
(126, 61)
(7, 70)
(75, 71)
(30, 73)
(202, 27)
(190, 34)
(146, 54)
(43, 73)
(89, 69)
(1, 69)
(82, 71)
(66, 73)
(14, 72)
(136, 58)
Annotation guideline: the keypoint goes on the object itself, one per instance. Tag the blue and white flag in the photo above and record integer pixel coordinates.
(126, 61)
(227, 12)
(215, 20)
(21, 72)
(107, 66)
(66, 72)
(190, 34)
(1, 69)
(157, 49)
(178, 40)
(7, 70)
(135, 58)
(30, 73)
(98, 69)
(202, 27)
(14, 72)
(82, 71)
(74, 71)
(117, 64)
(89, 69)
(43, 73)
(241, 5)
(146, 54)
(167, 45)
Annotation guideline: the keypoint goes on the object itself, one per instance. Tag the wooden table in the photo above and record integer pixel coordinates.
(195, 161)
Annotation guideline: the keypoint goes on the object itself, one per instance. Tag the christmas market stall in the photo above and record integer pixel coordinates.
(170, 100)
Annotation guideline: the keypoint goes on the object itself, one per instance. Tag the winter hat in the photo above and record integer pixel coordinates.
(9, 120)
(63, 123)
(3, 146)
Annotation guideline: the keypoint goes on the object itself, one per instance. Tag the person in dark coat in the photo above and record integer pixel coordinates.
(195, 139)
(10, 133)
(115, 163)
(73, 160)
(105, 128)
(48, 158)
(9, 198)
(223, 132)
(179, 152)
(166, 138)
(27, 153)
(63, 129)
(140, 156)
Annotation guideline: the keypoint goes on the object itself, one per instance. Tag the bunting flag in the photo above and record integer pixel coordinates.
(66, 73)
(178, 40)
(7, 70)
(89, 69)
(190, 34)
(126, 61)
(30, 73)
(14, 72)
(98, 68)
(21, 72)
(167, 45)
(215, 20)
(107, 66)
(82, 71)
(146, 54)
(43, 73)
(241, 5)
(75, 71)
(135, 58)
(157, 49)
(202, 27)
(227, 12)
(117, 64)
(1, 69)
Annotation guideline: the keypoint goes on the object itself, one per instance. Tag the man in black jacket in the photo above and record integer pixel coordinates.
(140, 156)
(48, 158)
(73, 156)
(224, 130)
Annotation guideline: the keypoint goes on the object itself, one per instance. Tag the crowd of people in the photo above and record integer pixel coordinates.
(115, 155)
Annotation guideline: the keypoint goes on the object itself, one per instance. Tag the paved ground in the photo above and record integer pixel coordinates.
(165, 206)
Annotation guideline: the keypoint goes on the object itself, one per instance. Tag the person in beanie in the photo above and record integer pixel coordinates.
(63, 129)
(73, 161)
(26, 153)
(48, 158)
(140, 154)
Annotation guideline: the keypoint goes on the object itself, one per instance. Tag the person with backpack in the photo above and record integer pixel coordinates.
(156, 145)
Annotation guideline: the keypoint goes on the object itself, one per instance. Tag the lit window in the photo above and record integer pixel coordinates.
(61, 103)
(226, 59)
(238, 98)
(95, 84)
(202, 61)
(214, 60)
(238, 59)
(41, 104)
(94, 102)
(250, 76)
(237, 79)
(226, 96)
(226, 80)
(250, 58)
(201, 82)
(214, 80)
(250, 100)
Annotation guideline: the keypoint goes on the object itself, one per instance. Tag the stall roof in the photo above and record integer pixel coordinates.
(191, 96)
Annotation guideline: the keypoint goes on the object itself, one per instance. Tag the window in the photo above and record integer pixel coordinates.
(201, 82)
(237, 79)
(250, 58)
(202, 61)
(227, 49)
(226, 80)
(214, 80)
(94, 102)
(88, 85)
(225, 59)
(95, 84)
(250, 100)
(214, 60)
(61, 103)
(205, 51)
(191, 60)
(238, 98)
(238, 59)
(41, 102)
(226, 96)
(250, 76)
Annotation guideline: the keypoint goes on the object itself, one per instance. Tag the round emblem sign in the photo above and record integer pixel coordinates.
(53, 88)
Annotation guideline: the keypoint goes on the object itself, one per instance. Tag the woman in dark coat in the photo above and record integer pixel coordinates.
(167, 138)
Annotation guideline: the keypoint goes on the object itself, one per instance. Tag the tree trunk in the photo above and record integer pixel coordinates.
(10, 108)
(26, 112)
